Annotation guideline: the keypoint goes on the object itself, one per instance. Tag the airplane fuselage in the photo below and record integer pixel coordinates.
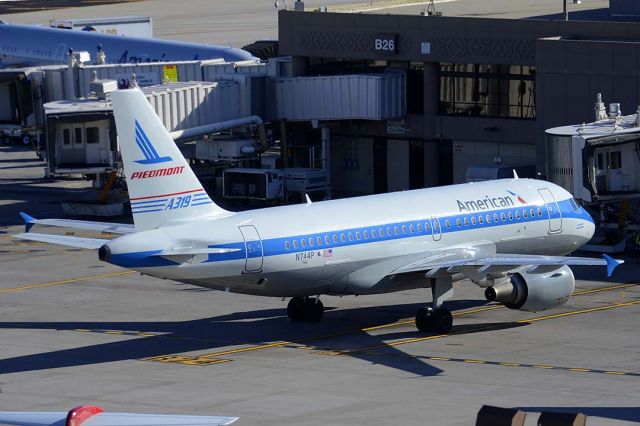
(352, 246)
(35, 45)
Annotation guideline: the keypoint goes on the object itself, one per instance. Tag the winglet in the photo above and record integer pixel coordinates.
(611, 264)
(515, 174)
(28, 221)
(307, 198)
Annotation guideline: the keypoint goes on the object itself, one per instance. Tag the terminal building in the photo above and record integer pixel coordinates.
(479, 91)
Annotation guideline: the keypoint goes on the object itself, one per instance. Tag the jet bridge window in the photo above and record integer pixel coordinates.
(91, 134)
(66, 137)
(615, 160)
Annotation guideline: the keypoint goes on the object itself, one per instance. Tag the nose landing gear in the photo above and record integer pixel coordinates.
(305, 309)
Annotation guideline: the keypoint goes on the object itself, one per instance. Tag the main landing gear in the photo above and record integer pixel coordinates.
(436, 318)
(307, 309)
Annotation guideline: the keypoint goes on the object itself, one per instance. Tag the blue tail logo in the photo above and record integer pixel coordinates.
(150, 154)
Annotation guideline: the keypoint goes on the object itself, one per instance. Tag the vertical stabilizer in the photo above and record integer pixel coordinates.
(162, 187)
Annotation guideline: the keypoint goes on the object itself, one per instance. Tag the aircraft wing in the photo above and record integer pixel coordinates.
(109, 419)
(483, 261)
(78, 242)
(115, 228)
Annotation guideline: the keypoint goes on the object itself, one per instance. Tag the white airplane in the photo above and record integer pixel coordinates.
(34, 45)
(91, 415)
(509, 236)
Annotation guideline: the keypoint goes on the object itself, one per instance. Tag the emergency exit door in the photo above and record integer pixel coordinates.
(253, 248)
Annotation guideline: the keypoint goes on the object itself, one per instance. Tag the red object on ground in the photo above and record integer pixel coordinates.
(80, 414)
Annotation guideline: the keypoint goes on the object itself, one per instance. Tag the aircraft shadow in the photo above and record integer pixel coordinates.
(233, 330)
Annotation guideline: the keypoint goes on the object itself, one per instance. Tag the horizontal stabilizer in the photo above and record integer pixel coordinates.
(112, 419)
(78, 242)
(115, 228)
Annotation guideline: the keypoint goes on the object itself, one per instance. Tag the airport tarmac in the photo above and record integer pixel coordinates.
(74, 330)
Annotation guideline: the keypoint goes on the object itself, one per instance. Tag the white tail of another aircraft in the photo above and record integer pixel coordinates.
(163, 189)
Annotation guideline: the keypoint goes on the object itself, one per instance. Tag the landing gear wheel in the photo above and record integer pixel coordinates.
(424, 320)
(305, 309)
(296, 309)
(439, 320)
(442, 320)
(314, 310)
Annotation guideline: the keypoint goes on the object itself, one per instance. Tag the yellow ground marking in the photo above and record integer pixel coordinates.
(384, 326)
(524, 321)
(543, 366)
(61, 282)
(601, 289)
(621, 373)
(475, 361)
(580, 370)
(580, 311)
(510, 364)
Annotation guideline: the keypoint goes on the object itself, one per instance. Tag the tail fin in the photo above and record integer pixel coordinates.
(162, 187)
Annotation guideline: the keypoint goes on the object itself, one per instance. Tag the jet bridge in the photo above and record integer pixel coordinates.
(599, 164)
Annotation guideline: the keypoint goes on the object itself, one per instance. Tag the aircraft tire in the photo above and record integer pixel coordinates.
(314, 310)
(442, 320)
(424, 320)
(296, 309)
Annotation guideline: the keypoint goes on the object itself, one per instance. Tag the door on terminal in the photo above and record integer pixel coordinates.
(253, 248)
(555, 215)
(72, 148)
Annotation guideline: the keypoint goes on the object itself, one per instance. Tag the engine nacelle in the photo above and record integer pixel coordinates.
(531, 291)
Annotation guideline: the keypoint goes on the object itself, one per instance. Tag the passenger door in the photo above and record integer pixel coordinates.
(555, 215)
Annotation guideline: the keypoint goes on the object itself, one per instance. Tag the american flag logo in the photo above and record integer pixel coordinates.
(327, 253)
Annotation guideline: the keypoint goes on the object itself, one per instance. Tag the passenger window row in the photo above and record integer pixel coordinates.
(382, 232)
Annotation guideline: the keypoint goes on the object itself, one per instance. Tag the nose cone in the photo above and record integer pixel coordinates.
(586, 228)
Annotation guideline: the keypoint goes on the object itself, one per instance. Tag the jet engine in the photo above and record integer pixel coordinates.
(534, 291)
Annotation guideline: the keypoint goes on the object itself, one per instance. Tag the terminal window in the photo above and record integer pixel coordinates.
(487, 90)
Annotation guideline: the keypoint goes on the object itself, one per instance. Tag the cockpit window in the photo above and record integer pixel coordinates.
(574, 205)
